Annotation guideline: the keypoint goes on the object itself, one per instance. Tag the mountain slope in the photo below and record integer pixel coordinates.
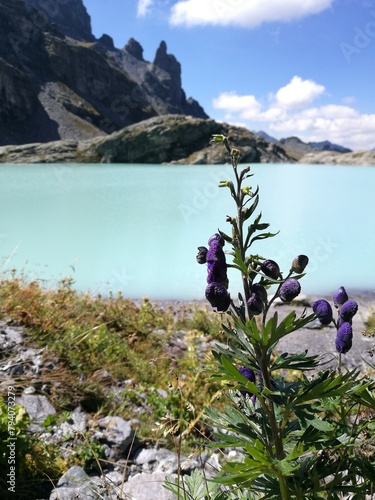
(58, 82)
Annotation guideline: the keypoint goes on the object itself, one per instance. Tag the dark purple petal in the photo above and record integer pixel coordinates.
(216, 238)
(217, 272)
(270, 268)
(340, 297)
(255, 304)
(299, 263)
(247, 373)
(323, 311)
(218, 296)
(348, 310)
(215, 252)
(289, 290)
(344, 338)
(250, 375)
(201, 255)
(260, 291)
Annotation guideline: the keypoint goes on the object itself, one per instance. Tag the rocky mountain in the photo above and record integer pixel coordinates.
(58, 82)
(296, 148)
(162, 139)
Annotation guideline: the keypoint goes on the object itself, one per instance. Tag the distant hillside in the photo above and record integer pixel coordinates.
(297, 148)
(58, 82)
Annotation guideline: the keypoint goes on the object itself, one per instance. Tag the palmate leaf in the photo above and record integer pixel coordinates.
(273, 333)
(193, 487)
(295, 361)
(330, 384)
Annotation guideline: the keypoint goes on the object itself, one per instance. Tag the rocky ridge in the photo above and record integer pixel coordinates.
(163, 139)
(58, 82)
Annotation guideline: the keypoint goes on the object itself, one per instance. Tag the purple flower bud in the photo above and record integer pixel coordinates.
(201, 255)
(289, 290)
(218, 296)
(260, 291)
(216, 237)
(250, 375)
(344, 338)
(299, 263)
(348, 310)
(255, 304)
(340, 297)
(323, 311)
(270, 268)
(247, 373)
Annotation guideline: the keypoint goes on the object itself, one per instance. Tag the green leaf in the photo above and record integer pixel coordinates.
(295, 362)
(247, 212)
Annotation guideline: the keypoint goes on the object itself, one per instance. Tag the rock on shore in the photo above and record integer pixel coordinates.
(335, 158)
(162, 139)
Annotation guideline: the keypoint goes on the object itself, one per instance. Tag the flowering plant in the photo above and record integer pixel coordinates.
(297, 437)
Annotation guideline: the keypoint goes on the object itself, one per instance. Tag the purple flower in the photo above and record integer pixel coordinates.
(201, 255)
(344, 338)
(323, 311)
(340, 297)
(218, 296)
(299, 263)
(250, 375)
(255, 304)
(348, 310)
(270, 268)
(289, 290)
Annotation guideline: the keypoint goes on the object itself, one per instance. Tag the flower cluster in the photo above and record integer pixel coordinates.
(216, 291)
(346, 309)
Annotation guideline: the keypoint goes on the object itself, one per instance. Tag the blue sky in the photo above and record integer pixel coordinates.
(288, 67)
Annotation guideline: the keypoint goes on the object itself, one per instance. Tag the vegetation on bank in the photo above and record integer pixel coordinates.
(111, 357)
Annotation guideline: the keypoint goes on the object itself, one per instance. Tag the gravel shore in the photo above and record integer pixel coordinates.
(315, 338)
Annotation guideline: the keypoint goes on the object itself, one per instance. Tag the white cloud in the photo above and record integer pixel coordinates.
(144, 7)
(287, 115)
(245, 13)
(298, 93)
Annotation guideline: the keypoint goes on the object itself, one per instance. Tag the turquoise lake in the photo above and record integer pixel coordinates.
(136, 228)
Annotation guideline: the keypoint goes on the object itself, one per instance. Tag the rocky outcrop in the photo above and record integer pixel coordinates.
(58, 82)
(334, 158)
(162, 139)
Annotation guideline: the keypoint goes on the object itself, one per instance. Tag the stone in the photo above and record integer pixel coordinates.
(146, 486)
(38, 408)
(117, 432)
(157, 460)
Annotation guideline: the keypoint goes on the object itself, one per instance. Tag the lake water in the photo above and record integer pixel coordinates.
(136, 228)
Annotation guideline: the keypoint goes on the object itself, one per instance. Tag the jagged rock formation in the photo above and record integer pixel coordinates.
(58, 82)
(162, 139)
